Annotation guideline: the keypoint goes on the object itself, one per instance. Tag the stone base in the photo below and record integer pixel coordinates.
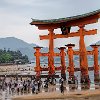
(96, 78)
(85, 79)
(85, 82)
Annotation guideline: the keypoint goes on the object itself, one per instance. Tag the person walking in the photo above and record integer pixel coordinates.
(62, 88)
(33, 88)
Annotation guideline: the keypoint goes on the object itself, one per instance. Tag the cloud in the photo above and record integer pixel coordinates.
(19, 2)
(15, 16)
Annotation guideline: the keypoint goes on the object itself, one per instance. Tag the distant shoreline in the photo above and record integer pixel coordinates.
(8, 64)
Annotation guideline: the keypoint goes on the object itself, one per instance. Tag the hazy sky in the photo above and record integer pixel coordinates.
(15, 16)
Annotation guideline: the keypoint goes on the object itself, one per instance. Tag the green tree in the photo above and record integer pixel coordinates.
(5, 58)
(8, 56)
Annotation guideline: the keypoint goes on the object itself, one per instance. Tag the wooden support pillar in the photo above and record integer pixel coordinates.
(96, 65)
(51, 53)
(37, 68)
(63, 67)
(71, 61)
(83, 55)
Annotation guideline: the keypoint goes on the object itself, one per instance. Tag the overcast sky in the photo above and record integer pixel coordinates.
(15, 16)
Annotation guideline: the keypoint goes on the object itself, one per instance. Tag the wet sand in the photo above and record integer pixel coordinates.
(79, 95)
(16, 70)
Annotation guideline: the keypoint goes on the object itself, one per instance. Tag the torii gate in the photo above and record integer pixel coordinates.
(65, 24)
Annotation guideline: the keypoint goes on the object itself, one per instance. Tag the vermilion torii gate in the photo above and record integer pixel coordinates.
(65, 24)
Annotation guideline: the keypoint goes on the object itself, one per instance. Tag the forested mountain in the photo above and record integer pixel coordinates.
(12, 57)
(14, 44)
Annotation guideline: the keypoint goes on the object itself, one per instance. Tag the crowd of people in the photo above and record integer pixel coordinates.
(24, 85)
(20, 85)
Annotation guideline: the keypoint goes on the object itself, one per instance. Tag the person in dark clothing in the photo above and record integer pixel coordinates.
(33, 89)
(61, 81)
(39, 85)
(62, 88)
(25, 87)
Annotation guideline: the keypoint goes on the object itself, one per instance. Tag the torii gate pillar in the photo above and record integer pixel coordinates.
(83, 54)
(37, 68)
(96, 65)
(51, 53)
(63, 66)
(71, 61)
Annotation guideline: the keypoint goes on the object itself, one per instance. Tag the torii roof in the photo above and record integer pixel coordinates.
(87, 16)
